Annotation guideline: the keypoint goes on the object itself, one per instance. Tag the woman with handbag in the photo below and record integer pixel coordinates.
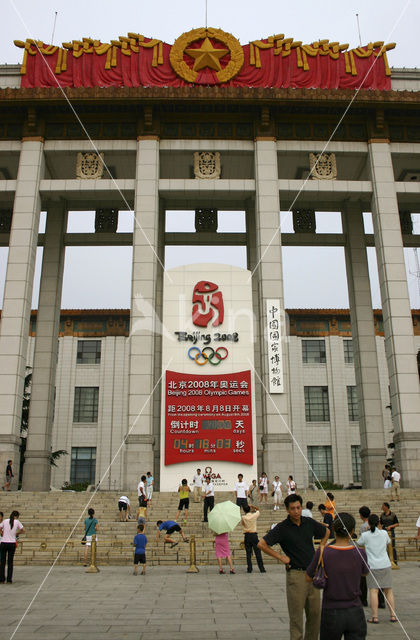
(10, 530)
(91, 527)
(376, 542)
(337, 569)
(263, 486)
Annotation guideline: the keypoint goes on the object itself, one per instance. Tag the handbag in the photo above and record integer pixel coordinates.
(272, 493)
(320, 579)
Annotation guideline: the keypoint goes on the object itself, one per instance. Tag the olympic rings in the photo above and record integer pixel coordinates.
(207, 358)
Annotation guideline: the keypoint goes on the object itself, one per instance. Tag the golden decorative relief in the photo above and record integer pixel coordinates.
(207, 56)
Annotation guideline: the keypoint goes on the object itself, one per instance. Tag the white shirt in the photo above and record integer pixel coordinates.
(209, 489)
(307, 513)
(198, 480)
(291, 487)
(375, 545)
(418, 523)
(396, 476)
(140, 489)
(241, 488)
(9, 534)
(124, 499)
(277, 486)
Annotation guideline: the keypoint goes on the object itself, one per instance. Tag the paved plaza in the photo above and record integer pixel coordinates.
(169, 603)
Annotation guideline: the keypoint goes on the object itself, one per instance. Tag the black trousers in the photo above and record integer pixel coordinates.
(242, 502)
(208, 505)
(251, 545)
(7, 549)
(336, 623)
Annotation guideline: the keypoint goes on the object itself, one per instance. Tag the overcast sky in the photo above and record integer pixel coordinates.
(313, 278)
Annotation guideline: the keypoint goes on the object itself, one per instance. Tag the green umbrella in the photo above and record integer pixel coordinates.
(224, 517)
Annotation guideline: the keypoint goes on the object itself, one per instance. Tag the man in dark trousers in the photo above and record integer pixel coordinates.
(389, 522)
(9, 476)
(208, 490)
(295, 536)
(249, 524)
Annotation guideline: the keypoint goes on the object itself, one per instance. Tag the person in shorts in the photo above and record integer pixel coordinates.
(184, 499)
(170, 527)
(124, 508)
(140, 542)
(91, 527)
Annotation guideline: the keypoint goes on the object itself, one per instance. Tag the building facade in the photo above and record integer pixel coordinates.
(180, 141)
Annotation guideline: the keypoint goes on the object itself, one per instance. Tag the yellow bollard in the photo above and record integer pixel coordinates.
(93, 568)
(391, 554)
(193, 567)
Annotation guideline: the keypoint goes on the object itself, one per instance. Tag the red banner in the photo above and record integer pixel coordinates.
(205, 57)
(208, 417)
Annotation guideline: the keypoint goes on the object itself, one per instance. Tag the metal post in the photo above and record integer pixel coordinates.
(193, 567)
(93, 568)
(391, 553)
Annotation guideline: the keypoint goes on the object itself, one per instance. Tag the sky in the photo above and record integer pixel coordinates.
(309, 279)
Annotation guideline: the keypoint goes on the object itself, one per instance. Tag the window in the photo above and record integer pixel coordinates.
(356, 463)
(352, 404)
(83, 464)
(316, 404)
(313, 351)
(348, 351)
(88, 351)
(85, 404)
(320, 461)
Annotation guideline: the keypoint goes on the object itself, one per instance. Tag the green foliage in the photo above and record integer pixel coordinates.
(328, 486)
(56, 455)
(77, 486)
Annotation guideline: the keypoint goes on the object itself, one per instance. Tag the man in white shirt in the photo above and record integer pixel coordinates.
(141, 492)
(198, 485)
(307, 512)
(123, 507)
(395, 485)
(418, 528)
(249, 525)
(241, 491)
(208, 490)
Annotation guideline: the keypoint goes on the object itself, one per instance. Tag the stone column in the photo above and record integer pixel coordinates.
(17, 300)
(139, 442)
(398, 326)
(37, 468)
(372, 437)
(277, 441)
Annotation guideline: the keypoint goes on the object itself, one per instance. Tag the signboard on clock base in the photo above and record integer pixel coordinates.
(208, 408)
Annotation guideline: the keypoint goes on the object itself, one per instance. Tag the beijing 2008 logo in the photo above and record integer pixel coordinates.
(207, 304)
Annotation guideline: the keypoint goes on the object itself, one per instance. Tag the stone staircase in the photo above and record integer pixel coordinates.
(49, 519)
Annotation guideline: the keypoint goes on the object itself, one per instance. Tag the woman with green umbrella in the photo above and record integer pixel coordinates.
(222, 519)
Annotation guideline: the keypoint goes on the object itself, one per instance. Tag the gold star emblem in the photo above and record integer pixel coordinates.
(207, 56)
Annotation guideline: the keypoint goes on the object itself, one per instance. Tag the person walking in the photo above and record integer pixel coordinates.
(395, 485)
(327, 518)
(253, 492)
(124, 507)
(91, 527)
(364, 513)
(198, 485)
(342, 611)
(140, 542)
(375, 541)
(295, 535)
(249, 525)
(150, 482)
(241, 492)
(208, 497)
(184, 499)
(10, 530)
(222, 549)
(170, 527)
(389, 522)
(141, 491)
(277, 493)
(9, 476)
(291, 486)
(386, 476)
(263, 485)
